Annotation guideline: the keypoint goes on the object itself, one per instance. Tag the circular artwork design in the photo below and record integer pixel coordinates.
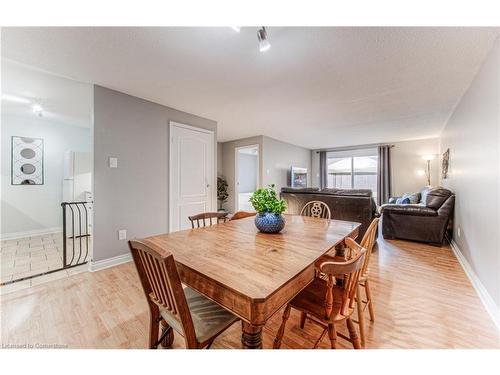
(28, 168)
(27, 161)
(28, 153)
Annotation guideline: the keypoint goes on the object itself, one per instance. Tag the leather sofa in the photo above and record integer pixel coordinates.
(345, 204)
(426, 221)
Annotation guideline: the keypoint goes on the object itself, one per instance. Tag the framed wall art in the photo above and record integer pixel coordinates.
(27, 161)
(446, 164)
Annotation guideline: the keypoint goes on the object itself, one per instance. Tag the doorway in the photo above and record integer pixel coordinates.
(247, 174)
(192, 177)
(47, 168)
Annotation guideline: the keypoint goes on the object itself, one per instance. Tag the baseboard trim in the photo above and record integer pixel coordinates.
(490, 306)
(29, 233)
(110, 262)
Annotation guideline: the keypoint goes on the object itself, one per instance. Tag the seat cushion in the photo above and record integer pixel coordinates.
(311, 300)
(209, 318)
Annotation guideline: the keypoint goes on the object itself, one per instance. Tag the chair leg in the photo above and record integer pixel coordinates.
(370, 300)
(353, 334)
(361, 315)
(154, 325)
(281, 330)
(303, 317)
(332, 334)
(167, 335)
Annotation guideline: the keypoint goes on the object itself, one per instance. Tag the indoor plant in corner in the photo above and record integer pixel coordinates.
(222, 193)
(269, 207)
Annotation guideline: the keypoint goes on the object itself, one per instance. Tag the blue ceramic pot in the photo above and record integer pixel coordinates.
(268, 222)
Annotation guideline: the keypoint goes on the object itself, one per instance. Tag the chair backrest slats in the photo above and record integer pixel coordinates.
(368, 242)
(316, 209)
(201, 219)
(161, 283)
(349, 271)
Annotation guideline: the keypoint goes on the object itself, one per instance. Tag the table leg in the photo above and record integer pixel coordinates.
(251, 336)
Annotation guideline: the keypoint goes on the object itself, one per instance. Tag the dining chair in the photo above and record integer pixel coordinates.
(316, 209)
(367, 243)
(195, 317)
(201, 219)
(326, 304)
(243, 214)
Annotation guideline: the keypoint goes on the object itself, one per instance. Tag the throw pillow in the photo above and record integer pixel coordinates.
(403, 200)
(413, 197)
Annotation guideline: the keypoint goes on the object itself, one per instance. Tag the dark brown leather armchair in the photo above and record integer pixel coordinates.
(427, 221)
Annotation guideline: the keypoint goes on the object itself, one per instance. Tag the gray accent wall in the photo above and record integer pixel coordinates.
(473, 136)
(279, 157)
(133, 196)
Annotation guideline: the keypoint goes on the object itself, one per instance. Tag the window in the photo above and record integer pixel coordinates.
(354, 169)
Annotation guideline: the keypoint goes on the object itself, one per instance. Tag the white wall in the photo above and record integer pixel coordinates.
(406, 158)
(30, 208)
(472, 135)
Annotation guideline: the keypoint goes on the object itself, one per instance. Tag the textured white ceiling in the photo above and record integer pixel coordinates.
(316, 87)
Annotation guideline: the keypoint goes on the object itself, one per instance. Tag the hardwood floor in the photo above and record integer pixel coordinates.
(422, 299)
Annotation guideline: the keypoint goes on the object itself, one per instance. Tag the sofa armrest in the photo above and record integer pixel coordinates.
(408, 209)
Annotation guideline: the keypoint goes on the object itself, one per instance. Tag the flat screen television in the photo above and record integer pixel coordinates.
(298, 177)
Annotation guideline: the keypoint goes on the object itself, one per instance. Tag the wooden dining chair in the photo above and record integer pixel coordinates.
(326, 304)
(210, 217)
(367, 243)
(243, 214)
(195, 317)
(316, 209)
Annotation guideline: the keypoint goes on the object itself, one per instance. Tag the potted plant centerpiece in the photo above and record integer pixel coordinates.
(269, 207)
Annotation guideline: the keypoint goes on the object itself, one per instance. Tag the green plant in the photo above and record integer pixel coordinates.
(266, 200)
(222, 193)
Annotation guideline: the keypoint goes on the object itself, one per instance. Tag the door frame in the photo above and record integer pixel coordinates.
(169, 163)
(237, 174)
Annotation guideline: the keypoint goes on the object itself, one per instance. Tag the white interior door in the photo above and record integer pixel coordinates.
(192, 176)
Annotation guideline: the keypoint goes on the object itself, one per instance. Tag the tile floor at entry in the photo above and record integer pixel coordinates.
(28, 256)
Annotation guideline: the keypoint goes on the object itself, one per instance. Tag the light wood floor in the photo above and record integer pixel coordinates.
(423, 299)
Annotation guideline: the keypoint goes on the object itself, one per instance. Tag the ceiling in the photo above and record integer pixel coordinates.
(62, 100)
(316, 87)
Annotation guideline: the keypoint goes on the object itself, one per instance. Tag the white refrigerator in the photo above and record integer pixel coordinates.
(77, 187)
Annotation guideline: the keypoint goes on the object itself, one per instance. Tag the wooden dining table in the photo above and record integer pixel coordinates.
(253, 274)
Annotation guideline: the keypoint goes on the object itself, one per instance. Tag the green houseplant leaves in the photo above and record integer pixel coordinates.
(266, 200)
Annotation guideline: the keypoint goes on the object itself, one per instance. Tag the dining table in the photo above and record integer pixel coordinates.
(250, 273)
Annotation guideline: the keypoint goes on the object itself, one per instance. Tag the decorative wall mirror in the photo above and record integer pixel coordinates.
(27, 161)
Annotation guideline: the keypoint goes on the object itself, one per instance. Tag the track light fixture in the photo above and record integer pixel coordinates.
(264, 44)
